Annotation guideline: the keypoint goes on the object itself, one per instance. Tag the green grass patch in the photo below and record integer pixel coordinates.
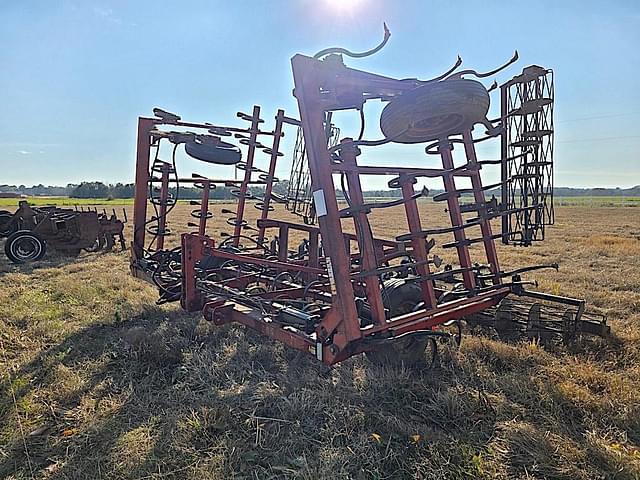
(70, 202)
(65, 201)
(597, 201)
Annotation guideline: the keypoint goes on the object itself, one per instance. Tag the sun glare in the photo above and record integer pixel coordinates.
(343, 5)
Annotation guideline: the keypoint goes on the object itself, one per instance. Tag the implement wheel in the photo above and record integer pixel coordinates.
(402, 297)
(435, 110)
(24, 246)
(7, 225)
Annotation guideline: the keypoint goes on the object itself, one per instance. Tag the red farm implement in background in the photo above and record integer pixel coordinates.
(31, 230)
(318, 287)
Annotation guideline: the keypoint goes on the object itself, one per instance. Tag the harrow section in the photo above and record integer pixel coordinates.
(527, 155)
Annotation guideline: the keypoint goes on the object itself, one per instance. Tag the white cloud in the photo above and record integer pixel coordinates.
(107, 14)
(24, 152)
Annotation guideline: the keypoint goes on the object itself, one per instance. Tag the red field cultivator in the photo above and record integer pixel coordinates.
(29, 230)
(332, 293)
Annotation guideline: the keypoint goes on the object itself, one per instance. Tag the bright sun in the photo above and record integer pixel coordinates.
(343, 5)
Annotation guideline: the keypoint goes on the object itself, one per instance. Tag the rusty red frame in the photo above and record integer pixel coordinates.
(319, 90)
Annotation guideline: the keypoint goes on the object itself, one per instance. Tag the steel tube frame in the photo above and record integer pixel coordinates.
(321, 88)
(275, 150)
(455, 214)
(479, 199)
(145, 125)
(253, 136)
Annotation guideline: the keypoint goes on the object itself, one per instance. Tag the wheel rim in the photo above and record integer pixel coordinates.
(26, 249)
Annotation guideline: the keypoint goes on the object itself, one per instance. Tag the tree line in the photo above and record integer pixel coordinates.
(182, 192)
(127, 190)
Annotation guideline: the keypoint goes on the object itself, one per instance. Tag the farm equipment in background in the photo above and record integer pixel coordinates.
(30, 230)
(333, 293)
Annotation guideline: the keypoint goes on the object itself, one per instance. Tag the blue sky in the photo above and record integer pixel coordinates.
(75, 75)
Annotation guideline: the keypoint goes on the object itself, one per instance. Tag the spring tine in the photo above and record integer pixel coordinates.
(518, 271)
(269, 151)
(348, 53)
(437, 261)
(448, 273)
(471, 241)
(367, 207)
(261, 206)
(220, 131)
(248, 118)
(502, 213)
(445, 195)
(435, 231)
(474, 207)
(486, 74)
(265, 178)
(439, 77)
(166, 117)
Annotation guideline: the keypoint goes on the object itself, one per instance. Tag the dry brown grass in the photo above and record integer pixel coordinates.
(108, 385)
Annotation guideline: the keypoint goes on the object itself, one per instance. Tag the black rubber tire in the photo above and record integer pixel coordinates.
(110, 242)
(222, 154)
(401, 297)
(435, 111)
(6, 226)
(97, 246)
(24, 246)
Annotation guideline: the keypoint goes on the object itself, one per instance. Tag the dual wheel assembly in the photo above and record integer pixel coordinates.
(416, 349)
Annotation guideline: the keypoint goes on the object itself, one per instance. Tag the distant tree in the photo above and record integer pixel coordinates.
(70, 188)
(90, 190)
(120, 190)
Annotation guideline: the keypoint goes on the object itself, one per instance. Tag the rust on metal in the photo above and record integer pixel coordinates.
(334, 293)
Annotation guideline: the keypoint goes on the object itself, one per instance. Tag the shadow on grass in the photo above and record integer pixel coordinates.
(173, 399)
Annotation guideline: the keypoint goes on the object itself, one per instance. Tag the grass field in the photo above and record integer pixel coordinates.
(98, 382)
(598, 201)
